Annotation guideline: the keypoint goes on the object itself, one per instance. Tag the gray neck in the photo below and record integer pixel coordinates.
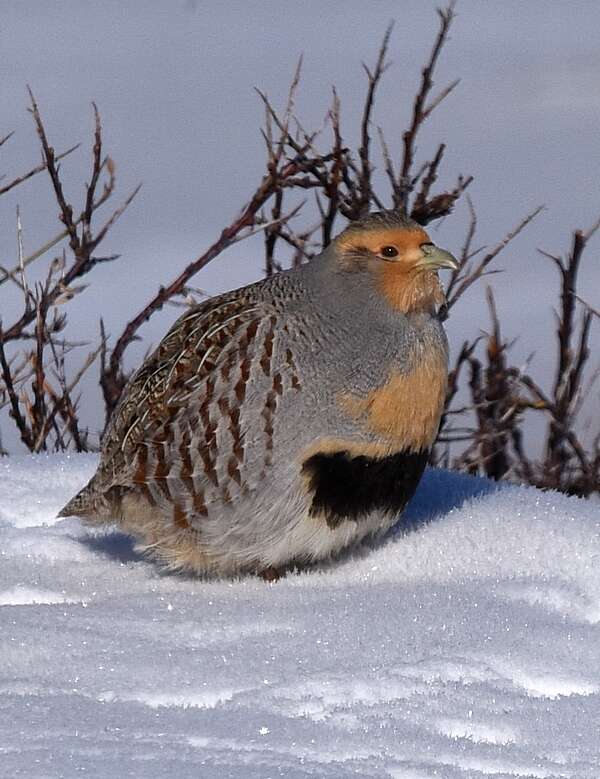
(350, 297)
(342, 315)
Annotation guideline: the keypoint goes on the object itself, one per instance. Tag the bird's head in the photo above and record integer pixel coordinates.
(398, 255)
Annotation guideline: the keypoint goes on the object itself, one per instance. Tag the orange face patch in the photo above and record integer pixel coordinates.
(407, 242)
(401, 284)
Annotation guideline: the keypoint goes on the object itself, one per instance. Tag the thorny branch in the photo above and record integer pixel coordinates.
(467, 274)
(501, 394)
(340, 182)
(42, 406)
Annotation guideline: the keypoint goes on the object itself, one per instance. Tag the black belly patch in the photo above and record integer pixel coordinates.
(347, 487)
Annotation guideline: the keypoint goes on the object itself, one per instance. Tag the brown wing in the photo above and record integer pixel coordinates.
(195, 424)
(186, 355)
(139, 446)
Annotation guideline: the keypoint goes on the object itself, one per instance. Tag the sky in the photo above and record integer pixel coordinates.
(175, 81)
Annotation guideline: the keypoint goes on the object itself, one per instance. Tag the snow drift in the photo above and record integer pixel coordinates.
(466, 644)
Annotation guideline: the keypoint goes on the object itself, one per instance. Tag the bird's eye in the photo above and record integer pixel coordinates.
(389, 251)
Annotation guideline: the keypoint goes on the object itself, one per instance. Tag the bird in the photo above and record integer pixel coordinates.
(279, 424)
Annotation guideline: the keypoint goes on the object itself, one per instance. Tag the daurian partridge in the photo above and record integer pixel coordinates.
(279, 423)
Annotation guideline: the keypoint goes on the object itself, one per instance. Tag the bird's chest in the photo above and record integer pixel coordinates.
(402, 411)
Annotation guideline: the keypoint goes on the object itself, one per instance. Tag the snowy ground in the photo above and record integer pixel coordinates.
(467, 647)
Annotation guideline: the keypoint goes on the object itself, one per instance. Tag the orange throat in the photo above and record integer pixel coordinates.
(412, 291)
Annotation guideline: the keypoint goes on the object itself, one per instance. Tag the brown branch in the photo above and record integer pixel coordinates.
(114, 378)
(588, 307)
(364, 177)
(108, 189)
(86, 216)
(15, 411)
(6, 137)
(38, 407)
(570, 363)
(440, 205)
(92, 245)
(430, 178)
(420, 112)
(468, 276)
(34, 171)
(50, 165)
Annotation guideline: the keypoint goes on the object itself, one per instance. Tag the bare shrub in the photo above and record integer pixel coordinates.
(313, 179)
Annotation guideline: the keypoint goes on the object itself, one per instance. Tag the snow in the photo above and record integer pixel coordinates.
(466, 644)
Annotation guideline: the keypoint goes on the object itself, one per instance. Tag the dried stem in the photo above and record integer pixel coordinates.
(483, 427)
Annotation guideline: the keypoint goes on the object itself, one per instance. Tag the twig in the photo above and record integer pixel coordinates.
(420, 111)
(34, 171)
(467, 277)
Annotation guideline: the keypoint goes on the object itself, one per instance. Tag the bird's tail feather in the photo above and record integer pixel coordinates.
(88, 504)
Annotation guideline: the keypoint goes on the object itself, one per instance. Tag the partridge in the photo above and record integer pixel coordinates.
(277, 424)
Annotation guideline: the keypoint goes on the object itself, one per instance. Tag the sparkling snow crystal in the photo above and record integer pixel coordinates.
(465, 646)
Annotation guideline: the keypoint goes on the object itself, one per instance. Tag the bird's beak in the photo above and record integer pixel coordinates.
(435, 258)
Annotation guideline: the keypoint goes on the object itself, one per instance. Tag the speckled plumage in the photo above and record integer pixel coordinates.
(338, 366)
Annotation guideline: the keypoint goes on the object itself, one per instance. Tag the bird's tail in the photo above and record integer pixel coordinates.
(89, 504)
